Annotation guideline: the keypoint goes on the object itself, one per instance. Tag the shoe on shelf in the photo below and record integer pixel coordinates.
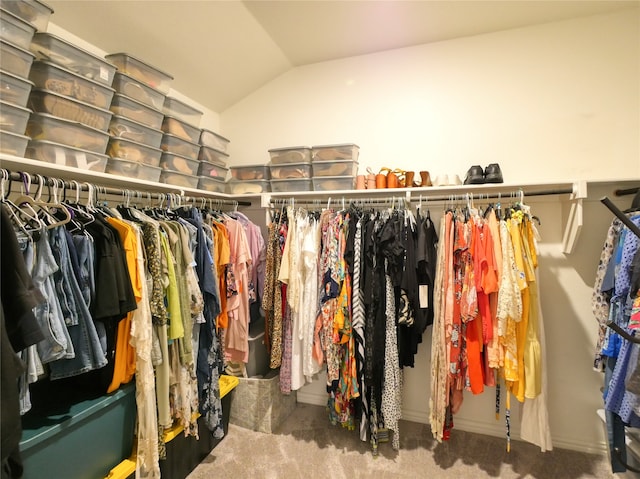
(475, 176)
(493, 174)
(425, 179)
(441, 180)
(454, 180)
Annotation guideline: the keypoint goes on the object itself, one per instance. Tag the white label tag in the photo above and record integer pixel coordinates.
(104, 74)
(423, 294)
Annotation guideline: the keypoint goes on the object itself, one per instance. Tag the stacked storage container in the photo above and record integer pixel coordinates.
(69, 99)
(213, 159)
(290, 169)
(180, 147)
(140, 91)
(334, 166)
(19, 21)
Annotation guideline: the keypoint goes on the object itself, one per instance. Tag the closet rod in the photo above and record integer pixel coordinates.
(18, 176)
(390, 199)
(627, 191)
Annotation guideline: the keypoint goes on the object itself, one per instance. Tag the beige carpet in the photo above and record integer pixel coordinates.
(308, 446)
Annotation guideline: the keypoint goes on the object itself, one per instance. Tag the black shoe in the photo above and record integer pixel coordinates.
(493, 174)
(475, 176)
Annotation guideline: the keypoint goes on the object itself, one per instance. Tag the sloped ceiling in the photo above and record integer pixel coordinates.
(220, 51)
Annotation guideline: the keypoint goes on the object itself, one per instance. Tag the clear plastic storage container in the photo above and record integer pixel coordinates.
(180, 128)
(294, 154)
(331, 183)
(121, 127)
(178, 179)
(14, 59)
(335, 168)
(13, 118)
(179, 146)
(250, 187)
(14, 89)
(13, 143)
(52, 77)
(213, 140)
(61, 52)
(211, 170)
(213, 185)
(141, 71)
(212, 155)
(250, 172)
(15, 30)
(129, 86)
(58, 154)
(290, 170)
(181, 164)
(187, 113)
(343, 151)
(134, 110)
(32, 11)
(133, 169)
(42, 126)
(44, 101)
(286, 186)
(133, 151)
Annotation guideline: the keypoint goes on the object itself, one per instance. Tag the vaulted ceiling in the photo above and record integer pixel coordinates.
(220, 51)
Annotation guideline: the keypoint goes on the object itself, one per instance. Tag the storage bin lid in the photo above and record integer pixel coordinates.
(120, 55)
(215, 134)
(336, 145)
(287, 148)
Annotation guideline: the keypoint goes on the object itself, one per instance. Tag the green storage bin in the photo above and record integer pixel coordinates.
(86, 441)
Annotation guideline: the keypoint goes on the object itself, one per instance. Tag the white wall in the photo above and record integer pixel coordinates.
(554, 102)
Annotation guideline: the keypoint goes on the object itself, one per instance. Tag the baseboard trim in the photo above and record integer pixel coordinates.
(496, 429)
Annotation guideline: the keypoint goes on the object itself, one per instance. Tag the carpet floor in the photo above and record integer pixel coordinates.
(307, 446)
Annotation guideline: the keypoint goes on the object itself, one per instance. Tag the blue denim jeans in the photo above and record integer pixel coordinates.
(615, 426)
(82, 330)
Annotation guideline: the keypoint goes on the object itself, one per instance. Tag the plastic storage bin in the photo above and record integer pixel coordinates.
(178, 179)
(14, 89)
(61, 52)
(258, 364)
(294, 154)
(249, 187)
(212, 155)
(52, 77)
(179, 146)
(211, 170)
(13, 118)
(181, 164)
(133, 169)
(211, 184)
(290, 170)
(83, 440)
(343, 151)
(187, 113)
(13, 143)
(133, 151)
(121, 127)
(42, 126)
(330, 183)
(181, 129)
(141, 71)
(134, 110)
(129, 86)
(32, 11)
(286, 186)
(15, 30)
(213, 140)
(44, 101)
(335, 168)
(14, 59)
(58, 154)
(250, 172)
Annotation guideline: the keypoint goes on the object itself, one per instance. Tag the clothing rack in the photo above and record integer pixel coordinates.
(34, 179)
(360, 196)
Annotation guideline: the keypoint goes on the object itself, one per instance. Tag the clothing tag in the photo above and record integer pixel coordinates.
(423, 294)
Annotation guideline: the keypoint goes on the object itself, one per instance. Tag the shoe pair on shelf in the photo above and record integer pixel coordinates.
(447, 180)
(477, 176)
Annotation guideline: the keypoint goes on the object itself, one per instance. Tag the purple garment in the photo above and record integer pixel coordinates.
(617, 398)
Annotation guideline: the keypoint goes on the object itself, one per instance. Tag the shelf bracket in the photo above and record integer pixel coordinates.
(574, 221)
